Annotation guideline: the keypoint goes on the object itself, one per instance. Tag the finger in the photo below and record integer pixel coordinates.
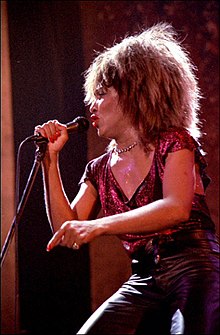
(40, 130)
(61, 129)
(60, 126)
(55, 240)
(48, 129)
(54, 127)
(51, 130)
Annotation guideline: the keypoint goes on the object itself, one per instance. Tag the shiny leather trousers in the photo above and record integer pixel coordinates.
(174, 292)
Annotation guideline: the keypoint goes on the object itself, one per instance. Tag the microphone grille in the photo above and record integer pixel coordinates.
(79, 124)
(82, 122)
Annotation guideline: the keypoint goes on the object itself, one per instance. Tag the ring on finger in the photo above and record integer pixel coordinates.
(75, 246)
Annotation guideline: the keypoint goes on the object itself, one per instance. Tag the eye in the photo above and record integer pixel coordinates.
(100, 93)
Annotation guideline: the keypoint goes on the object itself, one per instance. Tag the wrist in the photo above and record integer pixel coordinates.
(101, 227)
(50, 159)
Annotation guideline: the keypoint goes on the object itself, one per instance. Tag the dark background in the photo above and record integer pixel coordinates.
(46, 65)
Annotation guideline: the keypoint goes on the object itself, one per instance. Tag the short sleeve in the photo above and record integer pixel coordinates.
(94, 170)
(175, 140)
(89, 174)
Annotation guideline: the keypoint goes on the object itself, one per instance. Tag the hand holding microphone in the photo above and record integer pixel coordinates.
(79, 124)
(57, 133)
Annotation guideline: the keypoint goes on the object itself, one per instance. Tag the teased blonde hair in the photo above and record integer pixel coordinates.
(155, 80)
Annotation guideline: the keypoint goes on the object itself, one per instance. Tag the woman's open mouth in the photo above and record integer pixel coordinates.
(94, 119)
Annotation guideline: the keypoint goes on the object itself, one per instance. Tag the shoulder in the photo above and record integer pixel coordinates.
(97, 165)
(175, 139)
(95, 169)
(100, 160)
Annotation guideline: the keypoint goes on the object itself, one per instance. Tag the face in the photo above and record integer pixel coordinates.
(106, 114)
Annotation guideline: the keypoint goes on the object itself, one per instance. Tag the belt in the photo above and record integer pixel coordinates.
(196, 236)
(193, 238)
(165, 245)
(169, 244)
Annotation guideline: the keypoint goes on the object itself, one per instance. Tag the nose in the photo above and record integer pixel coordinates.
(93, 107)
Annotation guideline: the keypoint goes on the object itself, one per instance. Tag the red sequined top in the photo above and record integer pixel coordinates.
(113, 200)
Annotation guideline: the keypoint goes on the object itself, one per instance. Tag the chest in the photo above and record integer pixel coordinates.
(130, 172)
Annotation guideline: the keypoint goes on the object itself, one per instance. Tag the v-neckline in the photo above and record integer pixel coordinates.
(128, 199)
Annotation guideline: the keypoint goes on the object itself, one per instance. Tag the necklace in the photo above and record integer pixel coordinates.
(128, 148)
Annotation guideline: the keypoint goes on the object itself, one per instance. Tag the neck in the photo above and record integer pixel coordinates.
(125, 149)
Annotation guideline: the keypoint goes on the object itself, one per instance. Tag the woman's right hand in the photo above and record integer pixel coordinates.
(55, 132)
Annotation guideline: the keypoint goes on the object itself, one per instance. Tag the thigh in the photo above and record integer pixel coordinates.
(194, 295)
(134, 309)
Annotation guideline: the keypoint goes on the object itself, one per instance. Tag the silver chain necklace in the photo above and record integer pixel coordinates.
(128, 148)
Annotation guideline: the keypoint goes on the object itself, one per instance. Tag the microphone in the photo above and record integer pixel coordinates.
(79, 124)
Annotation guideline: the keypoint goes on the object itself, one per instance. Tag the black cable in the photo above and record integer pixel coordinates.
(17, 200)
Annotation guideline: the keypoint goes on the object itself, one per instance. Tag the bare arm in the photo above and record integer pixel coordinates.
(178, 190)
(58, 206)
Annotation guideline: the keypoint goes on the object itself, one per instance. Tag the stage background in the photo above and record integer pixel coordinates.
(51, 43)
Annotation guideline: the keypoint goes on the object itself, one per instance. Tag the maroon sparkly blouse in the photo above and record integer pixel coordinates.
(113, 200)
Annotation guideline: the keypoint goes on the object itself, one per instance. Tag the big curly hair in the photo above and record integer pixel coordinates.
(155, 80)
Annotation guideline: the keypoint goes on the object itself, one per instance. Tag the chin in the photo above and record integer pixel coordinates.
(99, 132)
(102, 133)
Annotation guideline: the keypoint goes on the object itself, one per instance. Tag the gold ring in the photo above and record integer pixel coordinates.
(75, 246)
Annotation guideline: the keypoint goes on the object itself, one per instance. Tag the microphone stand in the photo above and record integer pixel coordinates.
(39, 155)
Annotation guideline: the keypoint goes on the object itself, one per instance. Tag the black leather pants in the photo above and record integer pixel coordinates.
(174, 289)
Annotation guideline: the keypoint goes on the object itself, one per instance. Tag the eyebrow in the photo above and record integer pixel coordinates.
(100, 89)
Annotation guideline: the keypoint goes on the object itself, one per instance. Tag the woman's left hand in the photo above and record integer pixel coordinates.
(72, 234)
